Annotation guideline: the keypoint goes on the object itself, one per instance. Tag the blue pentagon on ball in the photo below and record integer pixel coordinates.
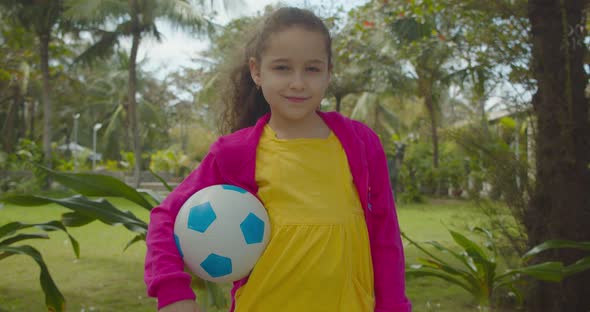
(177, 241)
(253, 229)
(216, 265)
(233, 188)
(201, 217)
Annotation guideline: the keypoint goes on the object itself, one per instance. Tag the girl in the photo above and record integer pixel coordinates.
(335, 242)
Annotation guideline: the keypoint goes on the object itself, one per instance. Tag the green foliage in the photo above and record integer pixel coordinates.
(574, 268)
(11, 233)
(85, 210)
(111, 165)
(492, 159)
(475, 271)
(170, 161)
(128, 160)
(475, 267)
(26, 157)
(415, 171)
(417, 175)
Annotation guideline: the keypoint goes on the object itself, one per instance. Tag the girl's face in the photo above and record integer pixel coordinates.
(293, 73)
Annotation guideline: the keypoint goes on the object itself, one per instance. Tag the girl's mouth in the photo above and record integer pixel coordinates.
(296, 99)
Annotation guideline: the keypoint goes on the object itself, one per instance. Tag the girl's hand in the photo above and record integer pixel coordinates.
(181, 306)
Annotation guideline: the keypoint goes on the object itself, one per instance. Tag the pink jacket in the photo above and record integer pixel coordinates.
(232, 159)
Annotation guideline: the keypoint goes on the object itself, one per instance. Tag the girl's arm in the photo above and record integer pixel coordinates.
(384, 235)
(164, 268)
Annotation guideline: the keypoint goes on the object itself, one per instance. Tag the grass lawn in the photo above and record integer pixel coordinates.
(107, 279)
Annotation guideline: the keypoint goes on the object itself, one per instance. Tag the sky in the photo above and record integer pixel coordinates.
(176, 47)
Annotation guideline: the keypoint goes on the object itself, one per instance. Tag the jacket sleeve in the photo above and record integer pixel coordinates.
(384, 235)
(164, 268)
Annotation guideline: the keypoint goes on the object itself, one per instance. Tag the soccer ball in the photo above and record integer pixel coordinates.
(220, 232)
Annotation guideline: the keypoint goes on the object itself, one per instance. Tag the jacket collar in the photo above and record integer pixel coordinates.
(236, 153)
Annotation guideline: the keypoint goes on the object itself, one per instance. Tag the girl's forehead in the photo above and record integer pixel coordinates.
(296, 44)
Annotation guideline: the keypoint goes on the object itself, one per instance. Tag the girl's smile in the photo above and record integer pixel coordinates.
(296, 99)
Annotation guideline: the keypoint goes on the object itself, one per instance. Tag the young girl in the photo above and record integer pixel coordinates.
(335, 242)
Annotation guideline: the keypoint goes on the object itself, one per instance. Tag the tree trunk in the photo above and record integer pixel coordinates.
(11, 122)
(559, 207)
(22, 119)
(31, 116)
(429, 103)
(133, 112)
(44, 39)
(338, 102)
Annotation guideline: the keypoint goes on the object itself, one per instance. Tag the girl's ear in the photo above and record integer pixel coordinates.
(254, 70)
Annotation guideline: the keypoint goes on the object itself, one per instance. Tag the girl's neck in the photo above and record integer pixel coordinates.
(311, 127)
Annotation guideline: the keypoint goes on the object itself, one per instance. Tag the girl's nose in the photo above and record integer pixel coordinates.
(297, 82)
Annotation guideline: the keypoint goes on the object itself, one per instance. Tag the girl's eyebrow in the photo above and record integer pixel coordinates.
(284, 60)
(280, 60)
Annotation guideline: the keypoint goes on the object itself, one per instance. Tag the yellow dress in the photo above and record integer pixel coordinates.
(318, 257)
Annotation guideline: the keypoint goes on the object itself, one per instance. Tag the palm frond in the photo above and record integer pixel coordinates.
(182, 15)
(363, 106)
(100, 49)
(95, 11)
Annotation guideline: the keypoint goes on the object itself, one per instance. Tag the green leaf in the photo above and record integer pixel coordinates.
(546, 271)
(464, 259)
(441, 266)
(20, 237)
(421, 248)
(473, 284)
(579, 266)
(75, 219)
(98, 185)
(99, 209)
(472, 249)
(485, 264)
(137, 238)
(57, 225)
(9, 228)
(161, 180)
(24, 200)
(556, 244)
(422, 272)
(54, 300)
(151, 196)
(50, 226)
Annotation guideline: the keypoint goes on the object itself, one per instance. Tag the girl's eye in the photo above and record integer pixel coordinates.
(313, 69)
(281, 67)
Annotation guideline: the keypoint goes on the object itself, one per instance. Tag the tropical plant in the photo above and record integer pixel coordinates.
(574, 268)
(15, 75)
(492, 159)
(85, 210)
(136, 19)
(170, 161)
(476, 270)
(105, 101)
(11, 233)
(42, 18)
(22, 162)
(425, 34)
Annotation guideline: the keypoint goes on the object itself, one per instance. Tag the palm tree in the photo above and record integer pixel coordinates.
(14, 63)
(135, 19)
(371, 110)
(43, 18)
(428, 56)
